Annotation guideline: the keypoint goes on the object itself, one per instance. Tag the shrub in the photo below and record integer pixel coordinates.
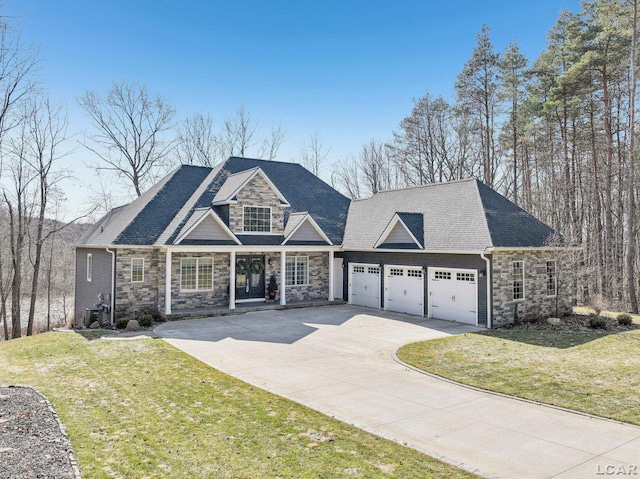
(599, 303)
(146, 320)
(596, 322)
(624, 320)
(121, 323)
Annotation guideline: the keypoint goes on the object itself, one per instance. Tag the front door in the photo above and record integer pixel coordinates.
(249, 277)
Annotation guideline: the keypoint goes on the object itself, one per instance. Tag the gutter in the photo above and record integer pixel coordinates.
(112, 306)
(489, 284)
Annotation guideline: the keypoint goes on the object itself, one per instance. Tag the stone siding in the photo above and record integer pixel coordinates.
(135, 298)
(318, 287)
(535, 302)
(257, 193)
(219, 296)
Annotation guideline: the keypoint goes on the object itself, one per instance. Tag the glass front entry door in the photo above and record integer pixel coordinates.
(250, 277)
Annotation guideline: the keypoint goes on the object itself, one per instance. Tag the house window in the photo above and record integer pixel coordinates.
(414, 273)
(257, 219)
(89, 266)
(552, 284)
(137, 270)
(518, 280)
(358, 269)
(373, 269)
(396, 272)
(196, 274)
(297, 272)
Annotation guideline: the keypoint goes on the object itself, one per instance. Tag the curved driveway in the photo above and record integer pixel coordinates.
(338, 360)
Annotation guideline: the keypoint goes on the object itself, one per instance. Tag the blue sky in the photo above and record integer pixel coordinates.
(347, 70)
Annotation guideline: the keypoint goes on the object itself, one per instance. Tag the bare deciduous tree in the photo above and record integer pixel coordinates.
(238, 133)
(130, 132)
(271, 145)
(314, 154)
(198, 143)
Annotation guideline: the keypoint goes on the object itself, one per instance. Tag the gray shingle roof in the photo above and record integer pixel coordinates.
(232, 184)
(461, 215)
(161, 213)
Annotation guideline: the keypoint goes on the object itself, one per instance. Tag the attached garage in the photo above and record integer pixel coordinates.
(364, 285)
(453, 295)
(404, 289)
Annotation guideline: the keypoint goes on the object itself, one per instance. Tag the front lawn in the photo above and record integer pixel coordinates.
(143, 409)
(589, 372)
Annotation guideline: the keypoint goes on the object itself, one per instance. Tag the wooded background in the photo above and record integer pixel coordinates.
(555, 134)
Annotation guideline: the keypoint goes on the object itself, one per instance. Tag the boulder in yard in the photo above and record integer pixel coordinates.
(95, 325)
(554, 321)
(133, 325)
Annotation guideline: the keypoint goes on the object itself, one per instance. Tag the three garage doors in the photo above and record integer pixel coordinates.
(452, 292)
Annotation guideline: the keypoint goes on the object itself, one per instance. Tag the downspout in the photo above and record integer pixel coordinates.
(112, 306)
(488, 276)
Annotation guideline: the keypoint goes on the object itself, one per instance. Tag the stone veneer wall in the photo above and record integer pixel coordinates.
(201, 299)
(318, 287)
(535, 302)
(257, 193)
(133, 298)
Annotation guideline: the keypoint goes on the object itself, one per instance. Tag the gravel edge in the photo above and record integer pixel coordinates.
(72, 459)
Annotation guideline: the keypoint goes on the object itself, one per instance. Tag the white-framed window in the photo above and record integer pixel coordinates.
(414, 273)
(297, 272)
(256, 219)
(358, 269)
(373, 270)
(89, 266)
(137, 270)
(396, 272)
(552, 283)
(518, 280)
(196, 274)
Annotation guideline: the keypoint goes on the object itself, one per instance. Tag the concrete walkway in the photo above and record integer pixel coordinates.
(338, 360)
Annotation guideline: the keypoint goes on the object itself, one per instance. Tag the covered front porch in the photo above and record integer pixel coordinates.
(216, 280)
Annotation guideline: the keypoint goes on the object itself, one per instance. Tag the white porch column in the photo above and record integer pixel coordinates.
(283, 281)
(232, 280)
(167, 285)
(331, 275)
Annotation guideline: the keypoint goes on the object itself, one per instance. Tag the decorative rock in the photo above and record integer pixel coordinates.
(554, 321)
(133, 325)
(95, 325)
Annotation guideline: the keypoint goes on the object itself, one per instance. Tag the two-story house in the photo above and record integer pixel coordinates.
(207, 238)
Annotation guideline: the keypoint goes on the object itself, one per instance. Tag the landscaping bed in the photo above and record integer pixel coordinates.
(572, 323)
(32, 443)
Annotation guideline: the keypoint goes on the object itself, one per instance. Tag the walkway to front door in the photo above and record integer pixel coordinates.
(250, 278)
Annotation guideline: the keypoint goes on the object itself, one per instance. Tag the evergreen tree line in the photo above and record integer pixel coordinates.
(555, 135)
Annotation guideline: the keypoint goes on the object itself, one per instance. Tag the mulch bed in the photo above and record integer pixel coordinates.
(574, 323)
(32, 442)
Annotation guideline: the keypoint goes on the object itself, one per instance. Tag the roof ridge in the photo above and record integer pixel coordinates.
(263, 160)
(440, 183)
(484, 211)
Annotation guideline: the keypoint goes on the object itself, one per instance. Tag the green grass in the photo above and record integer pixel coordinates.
(143, 409)
(589, 372)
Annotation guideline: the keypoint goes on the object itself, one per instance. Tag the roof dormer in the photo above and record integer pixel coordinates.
(404, 231)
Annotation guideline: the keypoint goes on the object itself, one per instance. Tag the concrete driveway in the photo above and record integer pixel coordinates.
(338, 360)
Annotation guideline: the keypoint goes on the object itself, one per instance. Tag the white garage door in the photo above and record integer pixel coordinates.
(404, 289)
(364, 285)
(453, 295)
